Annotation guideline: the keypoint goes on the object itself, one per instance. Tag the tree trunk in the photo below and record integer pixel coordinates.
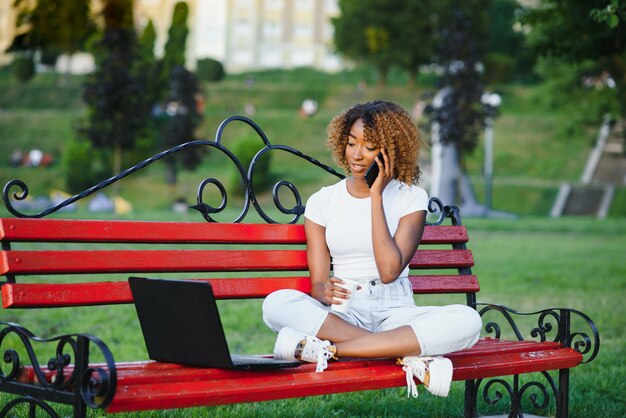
(170, 171)
(383, 72)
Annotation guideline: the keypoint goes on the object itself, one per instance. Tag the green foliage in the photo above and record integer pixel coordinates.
(209, 69)
(24, 68)
(54, 26)
(77, 166)
(612, 14)
(114, 93)
(150, 69)
(385, 34)
(563, 89)
(499, 68)
(556, 28)
(175, 46)
(245, 149)
(507, 57)
(461, 114)
(178, 119)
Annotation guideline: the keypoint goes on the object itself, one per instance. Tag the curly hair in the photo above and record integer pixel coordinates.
(386, 125)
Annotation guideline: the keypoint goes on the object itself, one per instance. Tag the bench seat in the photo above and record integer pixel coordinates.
(150, 385)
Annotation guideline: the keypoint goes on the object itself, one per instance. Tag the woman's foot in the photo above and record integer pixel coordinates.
(434, 372)
(291, 344)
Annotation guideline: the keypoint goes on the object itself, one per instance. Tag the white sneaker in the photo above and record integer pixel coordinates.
(434, 372)
(291, 344)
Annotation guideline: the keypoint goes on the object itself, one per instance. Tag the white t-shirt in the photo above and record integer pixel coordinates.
(348, 222)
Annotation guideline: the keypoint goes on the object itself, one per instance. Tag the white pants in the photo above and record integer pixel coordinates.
(380, 307)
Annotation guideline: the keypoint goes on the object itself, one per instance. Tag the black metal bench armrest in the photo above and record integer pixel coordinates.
(553, 324)
(68, 373)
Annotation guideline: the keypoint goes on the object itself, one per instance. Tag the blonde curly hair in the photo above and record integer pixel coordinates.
(386, 125)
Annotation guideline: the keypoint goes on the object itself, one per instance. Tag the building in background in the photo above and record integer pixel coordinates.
(242, 34)
(252, 34)
(7, 28)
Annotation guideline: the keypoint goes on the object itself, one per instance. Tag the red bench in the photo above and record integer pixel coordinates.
(442, 264)
(50, 263)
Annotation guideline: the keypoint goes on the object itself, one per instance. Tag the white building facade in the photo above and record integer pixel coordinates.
(243, 35)
(252, 34)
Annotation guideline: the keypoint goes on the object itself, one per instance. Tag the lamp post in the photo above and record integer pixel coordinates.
(491, 102)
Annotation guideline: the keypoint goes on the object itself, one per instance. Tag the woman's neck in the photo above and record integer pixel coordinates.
(357, 187)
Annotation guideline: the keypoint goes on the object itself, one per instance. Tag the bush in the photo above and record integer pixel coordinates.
(77, 166)
(499, 68)
(209, 69)
(24, 69)
(245, 149)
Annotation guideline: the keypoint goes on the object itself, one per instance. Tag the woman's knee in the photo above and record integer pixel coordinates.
(274, 307)
(471, 322)
(275, 302)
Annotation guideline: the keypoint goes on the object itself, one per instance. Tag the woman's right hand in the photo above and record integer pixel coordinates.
(333, 293)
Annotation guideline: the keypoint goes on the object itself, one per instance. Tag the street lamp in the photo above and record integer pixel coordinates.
(491, 102)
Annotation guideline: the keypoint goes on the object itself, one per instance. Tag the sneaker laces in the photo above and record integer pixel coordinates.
(316, 348)
(411, 386)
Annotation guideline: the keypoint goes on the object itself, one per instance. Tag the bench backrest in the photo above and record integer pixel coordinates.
(54, 263)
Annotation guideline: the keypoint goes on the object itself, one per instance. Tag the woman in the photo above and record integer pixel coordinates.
(369, 235)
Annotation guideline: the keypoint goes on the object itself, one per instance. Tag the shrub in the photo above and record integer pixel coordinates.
(24, 69)
(245, 149)
(209, 69)
(499, 68)
(77, 166)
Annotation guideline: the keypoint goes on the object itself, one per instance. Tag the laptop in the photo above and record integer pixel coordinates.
(181, 324)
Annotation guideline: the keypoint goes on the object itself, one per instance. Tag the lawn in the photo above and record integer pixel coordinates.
(528, 264)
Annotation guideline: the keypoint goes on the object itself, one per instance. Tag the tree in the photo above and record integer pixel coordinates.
(500, 63)
(175, 46)
(150, 68)
(115, 92)
(385, 34)
(180, 111)
(581, 33)
(418, 34)
(53, 26)
(182, 116)
(457, 113)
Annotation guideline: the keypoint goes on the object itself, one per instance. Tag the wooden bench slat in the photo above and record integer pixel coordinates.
(153, 261)
(234, 386)
(53, 230)
(129, 261)
(63, 230)
(32, 295)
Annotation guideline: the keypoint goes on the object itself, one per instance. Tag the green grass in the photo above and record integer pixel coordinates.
(529, 264)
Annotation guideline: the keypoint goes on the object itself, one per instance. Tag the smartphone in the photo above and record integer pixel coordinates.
(372, 171)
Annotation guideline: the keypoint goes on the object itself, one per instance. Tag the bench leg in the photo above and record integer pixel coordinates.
(82, 363)
(562, 402)
(470, 399)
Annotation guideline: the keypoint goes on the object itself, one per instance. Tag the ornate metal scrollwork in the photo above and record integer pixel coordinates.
(65, 371)
(537, 393)
(436, 206)
(247, 174)
(552, 325)
(32, 403)
(206, 210)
